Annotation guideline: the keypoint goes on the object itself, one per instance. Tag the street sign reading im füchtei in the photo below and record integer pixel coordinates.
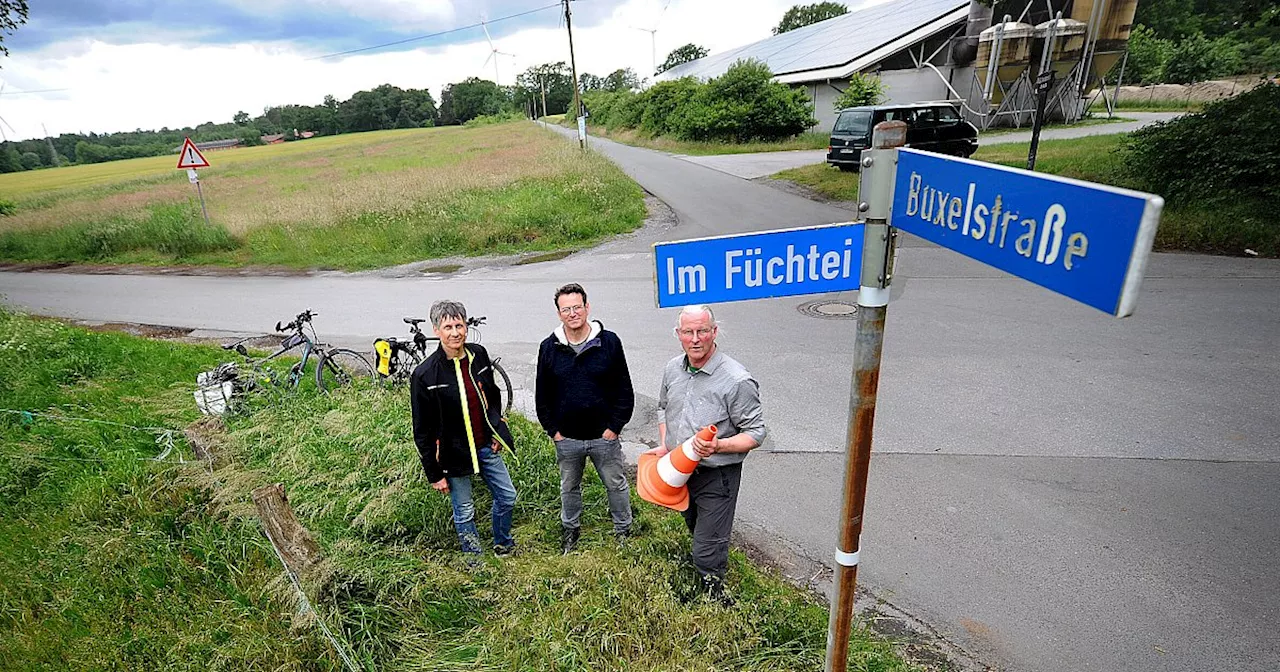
(790, 262)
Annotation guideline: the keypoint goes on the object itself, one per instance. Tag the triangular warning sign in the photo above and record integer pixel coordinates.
(190, 157)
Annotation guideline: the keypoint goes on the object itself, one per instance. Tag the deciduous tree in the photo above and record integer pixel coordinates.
(681, 55)
(800, 16)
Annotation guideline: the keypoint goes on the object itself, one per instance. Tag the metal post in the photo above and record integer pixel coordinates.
(878, 170)
(1120, 78)
(202, 208)
(1044, 82)
(573, 66)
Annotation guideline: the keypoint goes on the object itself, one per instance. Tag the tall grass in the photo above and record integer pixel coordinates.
(111, 561)
(350, 202)
(177, 231)
(128, 564)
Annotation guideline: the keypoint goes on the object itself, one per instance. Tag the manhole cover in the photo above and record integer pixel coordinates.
(829, 310)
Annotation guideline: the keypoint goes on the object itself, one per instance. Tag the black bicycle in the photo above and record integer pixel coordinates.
(396, 359)
(335, 367)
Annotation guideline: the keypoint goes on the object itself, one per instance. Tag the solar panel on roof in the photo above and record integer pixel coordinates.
(828, 43)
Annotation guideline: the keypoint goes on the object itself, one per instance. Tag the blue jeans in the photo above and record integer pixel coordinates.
(606, 454)
(494, 472)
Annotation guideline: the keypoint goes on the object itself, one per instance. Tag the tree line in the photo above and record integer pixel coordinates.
(384, 107)
(1184, 41)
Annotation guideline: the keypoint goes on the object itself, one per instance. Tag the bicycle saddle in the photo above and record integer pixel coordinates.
(415, 321)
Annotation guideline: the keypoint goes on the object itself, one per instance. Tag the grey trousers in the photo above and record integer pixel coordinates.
(606, 455)
(713, 498)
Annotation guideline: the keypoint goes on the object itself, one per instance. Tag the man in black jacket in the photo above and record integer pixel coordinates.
(459, 429)
(584, 399)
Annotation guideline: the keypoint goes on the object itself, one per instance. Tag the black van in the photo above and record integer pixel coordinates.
(932, 127)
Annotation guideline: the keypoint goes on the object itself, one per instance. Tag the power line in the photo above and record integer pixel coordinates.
(443, 32)
(19, 93)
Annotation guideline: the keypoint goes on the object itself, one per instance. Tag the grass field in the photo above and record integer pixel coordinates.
(111, 561)
(351, 202)
(1215, 230)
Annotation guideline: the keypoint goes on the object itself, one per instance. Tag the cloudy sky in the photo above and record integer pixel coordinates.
(127, 64)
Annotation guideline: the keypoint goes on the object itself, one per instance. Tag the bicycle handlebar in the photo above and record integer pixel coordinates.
(302, 318)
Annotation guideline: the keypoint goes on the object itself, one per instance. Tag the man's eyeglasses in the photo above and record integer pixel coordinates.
(569, 310)
(688, 333)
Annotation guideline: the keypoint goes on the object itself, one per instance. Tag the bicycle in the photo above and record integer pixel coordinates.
(396, 359)
(335, 367)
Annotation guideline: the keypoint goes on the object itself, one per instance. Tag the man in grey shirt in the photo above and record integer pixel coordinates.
(705, 387)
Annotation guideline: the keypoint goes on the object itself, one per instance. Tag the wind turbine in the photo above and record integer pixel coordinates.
(493, 54)
(4, 123)
(653, 38)
(653, 47)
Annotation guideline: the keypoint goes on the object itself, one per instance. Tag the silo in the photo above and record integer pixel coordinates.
(1059, 45)
(1004, 53)
(1109, 23)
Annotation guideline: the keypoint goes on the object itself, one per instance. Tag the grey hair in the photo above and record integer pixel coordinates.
(697, 310)
(447, 308)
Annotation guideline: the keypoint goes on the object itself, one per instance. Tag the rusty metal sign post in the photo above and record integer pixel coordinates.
(876, 189)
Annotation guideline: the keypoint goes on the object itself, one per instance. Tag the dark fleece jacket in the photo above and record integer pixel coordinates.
(582, 394)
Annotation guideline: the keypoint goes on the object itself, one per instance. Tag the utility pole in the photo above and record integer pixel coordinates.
(543, 81)
(573, 66)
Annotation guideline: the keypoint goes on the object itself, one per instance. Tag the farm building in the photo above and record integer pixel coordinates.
(931, 50)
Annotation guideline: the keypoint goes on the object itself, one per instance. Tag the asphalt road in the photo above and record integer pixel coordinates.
(760, 164)
(1052, 489)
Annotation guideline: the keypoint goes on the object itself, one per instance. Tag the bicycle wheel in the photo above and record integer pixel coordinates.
(504, 387)
(339, 367)
(405, 362)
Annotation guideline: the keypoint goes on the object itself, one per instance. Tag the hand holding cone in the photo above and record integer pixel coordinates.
(661, 480)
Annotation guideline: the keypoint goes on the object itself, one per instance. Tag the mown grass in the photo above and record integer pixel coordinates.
(1089, 121)
(127, 564)
(811, 140)
(1229, 229)
(348, 202)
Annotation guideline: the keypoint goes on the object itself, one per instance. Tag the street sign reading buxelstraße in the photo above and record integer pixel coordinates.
(1086, 241)
(789, 262)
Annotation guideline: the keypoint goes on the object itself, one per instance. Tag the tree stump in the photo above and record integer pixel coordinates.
(295, 544)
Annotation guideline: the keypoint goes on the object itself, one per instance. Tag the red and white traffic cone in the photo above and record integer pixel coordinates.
(661, 480)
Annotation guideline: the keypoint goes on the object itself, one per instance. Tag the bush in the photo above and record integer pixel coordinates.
(862, 90)
(1148, 56)
(1228, 153)
(7, 207)
(490, 119)
(741, 105)
(662, 103)
(1196, 59)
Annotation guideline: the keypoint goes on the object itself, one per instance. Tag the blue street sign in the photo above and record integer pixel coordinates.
(1086, 241)
(790, 262)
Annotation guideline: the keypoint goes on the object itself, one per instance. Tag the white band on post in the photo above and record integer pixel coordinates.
(847, 559)
(872, 297)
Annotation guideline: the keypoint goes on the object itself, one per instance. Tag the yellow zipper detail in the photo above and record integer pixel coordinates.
(466, 415)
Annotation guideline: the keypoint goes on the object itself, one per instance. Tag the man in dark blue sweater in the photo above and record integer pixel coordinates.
(584, 399)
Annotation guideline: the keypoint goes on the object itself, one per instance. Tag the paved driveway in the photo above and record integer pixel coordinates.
(760, 164)
(1052, 489)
